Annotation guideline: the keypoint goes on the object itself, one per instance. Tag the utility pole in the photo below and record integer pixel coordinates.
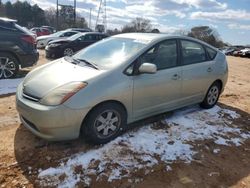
(90, 18)
(75, 12)
(57, 15)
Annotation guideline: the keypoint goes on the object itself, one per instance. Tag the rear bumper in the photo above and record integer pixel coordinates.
(28, 60)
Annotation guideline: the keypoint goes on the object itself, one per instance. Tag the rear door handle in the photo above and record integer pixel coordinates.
(209, 69)
(175, 77)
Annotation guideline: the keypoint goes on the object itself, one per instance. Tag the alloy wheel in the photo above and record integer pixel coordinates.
(7, 67)
(107, 123)
(68, 52)
(213, 95)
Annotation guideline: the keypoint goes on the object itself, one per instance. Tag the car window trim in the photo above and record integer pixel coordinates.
(181, 54)
(137, 60)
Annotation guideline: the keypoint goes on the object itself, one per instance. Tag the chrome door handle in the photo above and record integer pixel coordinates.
(209, 69)
(175, 77)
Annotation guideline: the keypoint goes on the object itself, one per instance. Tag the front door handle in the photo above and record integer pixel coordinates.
(175, 77)
(209, 69)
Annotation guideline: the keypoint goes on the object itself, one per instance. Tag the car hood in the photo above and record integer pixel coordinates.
(42, 80)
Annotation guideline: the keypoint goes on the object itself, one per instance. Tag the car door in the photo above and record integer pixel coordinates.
(197, 69)
(153, 93)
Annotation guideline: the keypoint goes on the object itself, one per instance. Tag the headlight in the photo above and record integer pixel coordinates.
(62, 93)
(54, 45)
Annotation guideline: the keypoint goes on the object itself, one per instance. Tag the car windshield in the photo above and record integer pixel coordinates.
(111, 52)
(75, 36)
(57, 34)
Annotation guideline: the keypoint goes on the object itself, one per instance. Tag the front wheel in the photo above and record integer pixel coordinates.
(8, 66)
(212, 96)
(104, 123)
(68, 52)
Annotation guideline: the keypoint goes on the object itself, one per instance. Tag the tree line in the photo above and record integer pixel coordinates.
(33, 16)
(30, 16)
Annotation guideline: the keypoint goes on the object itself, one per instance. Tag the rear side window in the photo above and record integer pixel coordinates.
(211, 53)
(192, 52)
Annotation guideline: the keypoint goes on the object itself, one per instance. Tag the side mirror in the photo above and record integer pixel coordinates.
(148, 68)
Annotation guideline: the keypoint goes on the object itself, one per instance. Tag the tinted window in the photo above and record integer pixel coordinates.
(192, 52)
(68, 34)
(89, 37)
(163, 55)
(211, 53)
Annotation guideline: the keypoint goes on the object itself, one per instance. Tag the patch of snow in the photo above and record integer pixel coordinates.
(216, 151)
(9, 85)
(145, 147)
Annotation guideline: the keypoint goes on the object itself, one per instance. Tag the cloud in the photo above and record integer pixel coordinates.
(202, 4)
(238, 26)
(222, 15)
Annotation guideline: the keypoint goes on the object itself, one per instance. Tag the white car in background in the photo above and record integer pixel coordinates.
(42, 41)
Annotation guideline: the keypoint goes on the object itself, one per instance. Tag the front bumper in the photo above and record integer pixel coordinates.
(53, 52)
(53, 123)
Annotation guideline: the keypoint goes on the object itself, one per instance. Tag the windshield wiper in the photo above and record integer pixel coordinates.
(78, 61)
(88, 63)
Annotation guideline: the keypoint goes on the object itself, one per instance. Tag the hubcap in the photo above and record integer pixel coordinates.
(68, 52)
(107, 123)
(7, 67)
(213, 95)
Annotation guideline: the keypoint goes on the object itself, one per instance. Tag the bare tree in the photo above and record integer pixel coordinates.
(207, 34)
(138, 25)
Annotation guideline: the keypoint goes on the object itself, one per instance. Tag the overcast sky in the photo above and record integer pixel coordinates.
(231, 18)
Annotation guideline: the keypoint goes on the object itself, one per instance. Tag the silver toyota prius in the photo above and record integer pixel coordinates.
(121, 79)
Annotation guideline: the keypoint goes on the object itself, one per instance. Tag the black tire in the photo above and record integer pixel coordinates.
(9, 66)
(212, 96)
(92, 123)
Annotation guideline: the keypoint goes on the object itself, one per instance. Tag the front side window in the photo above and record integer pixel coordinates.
(163, 55)
(192, 52)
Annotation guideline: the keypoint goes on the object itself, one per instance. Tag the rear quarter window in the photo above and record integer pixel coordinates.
(211, 53)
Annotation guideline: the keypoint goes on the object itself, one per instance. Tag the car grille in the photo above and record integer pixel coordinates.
(29, 97)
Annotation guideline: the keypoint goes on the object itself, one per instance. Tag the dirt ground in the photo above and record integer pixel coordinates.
(22, 154)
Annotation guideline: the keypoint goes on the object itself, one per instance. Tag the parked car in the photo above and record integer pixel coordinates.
(237, 53)
(51, 29)
(40, 31)
(244, 52)
(229, 51)
(68, 46)
(117, 81)
(44, 40)
(17, 48)
(80, 30)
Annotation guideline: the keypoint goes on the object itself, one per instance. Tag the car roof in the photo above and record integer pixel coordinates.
(7, 19)
(154, 37)
(89, 33)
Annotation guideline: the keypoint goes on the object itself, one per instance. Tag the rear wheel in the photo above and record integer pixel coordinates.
(104, 123)
(68, 52)
(212, 96)
(8, 66)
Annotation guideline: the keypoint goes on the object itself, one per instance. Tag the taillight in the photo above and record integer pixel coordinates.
(29, 39)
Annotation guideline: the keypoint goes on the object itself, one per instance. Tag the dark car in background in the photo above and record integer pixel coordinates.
(68, 46)
(17, 48)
